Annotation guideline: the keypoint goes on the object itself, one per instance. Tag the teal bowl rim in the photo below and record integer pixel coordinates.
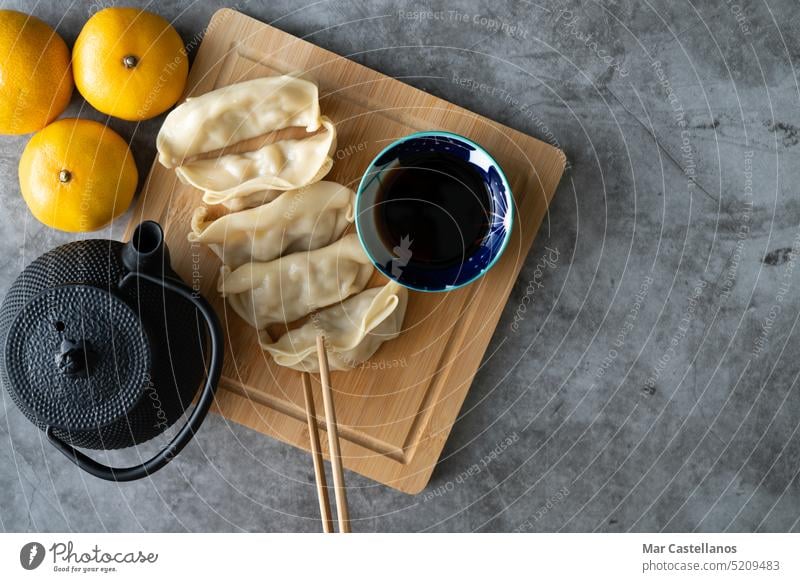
(509, 201)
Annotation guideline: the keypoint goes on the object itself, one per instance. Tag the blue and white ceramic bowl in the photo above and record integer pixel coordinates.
(391, 262)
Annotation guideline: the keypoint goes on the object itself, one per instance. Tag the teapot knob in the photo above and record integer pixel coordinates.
(75, 357)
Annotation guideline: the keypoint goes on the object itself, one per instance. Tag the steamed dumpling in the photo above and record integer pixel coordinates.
(283, 165)
(353, 330)
(293, 286)
(235, 113)
(298, 220)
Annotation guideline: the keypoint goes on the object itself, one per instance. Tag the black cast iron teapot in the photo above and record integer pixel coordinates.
(103, 348)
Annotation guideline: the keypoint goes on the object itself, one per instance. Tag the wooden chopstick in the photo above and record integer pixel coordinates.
(316, 453)
(333, 439)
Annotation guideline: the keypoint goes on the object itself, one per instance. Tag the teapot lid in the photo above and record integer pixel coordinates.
(77, 357)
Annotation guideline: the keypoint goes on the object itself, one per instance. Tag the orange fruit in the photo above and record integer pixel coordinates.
(130, 63)
(77, 175)
(35, 74)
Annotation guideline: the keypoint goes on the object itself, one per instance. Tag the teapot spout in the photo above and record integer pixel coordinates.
(146, 252)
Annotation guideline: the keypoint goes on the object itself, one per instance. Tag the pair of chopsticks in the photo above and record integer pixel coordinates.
(333, 446)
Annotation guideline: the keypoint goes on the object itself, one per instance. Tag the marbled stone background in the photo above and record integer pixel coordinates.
(644, 375)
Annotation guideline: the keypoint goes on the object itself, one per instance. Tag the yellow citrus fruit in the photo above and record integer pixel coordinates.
(130, 63)
(77, 175)
(35, 74)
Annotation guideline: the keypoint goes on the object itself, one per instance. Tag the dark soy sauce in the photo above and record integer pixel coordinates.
(439, 203)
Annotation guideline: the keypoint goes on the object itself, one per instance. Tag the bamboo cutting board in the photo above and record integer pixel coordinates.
(396, 411)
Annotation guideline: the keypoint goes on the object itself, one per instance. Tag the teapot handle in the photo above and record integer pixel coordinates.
(195, 419)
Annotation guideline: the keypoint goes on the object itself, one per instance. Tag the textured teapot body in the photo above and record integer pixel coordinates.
(103, 346)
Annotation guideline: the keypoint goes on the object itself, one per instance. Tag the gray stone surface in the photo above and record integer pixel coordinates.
(650, 382)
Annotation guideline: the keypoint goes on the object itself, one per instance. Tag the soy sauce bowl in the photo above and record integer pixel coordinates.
(398, 262)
